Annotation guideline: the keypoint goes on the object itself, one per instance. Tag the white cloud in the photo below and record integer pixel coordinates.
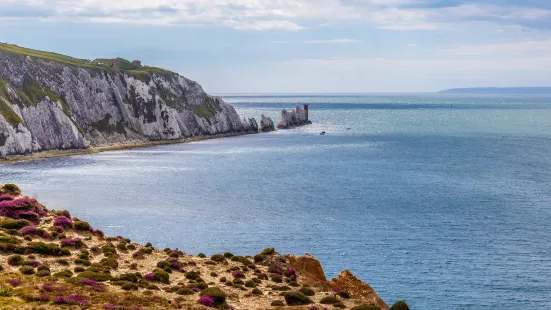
(281, 14)
(333, 41)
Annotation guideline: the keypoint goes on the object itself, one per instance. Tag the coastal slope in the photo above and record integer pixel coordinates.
(54, 102)
(51, 260)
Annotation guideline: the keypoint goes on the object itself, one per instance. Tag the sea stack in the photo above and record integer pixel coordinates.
(294, 118)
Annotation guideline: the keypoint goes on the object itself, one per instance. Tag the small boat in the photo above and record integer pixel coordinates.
(322, 133)
(348, 128)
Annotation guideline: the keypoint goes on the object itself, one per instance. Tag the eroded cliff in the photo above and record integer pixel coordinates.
(50, 101)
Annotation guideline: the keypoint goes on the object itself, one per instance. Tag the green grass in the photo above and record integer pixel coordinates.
(21, 51)
(5, 109)
(208, 108)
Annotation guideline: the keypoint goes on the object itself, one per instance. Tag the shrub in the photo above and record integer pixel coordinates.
(238, 281)
(84, 262)
(192, 275)
(185, 291)
(344, 294)
(329, 300)
(5, 291)
(250, 283)
(10, 189)
(79, 269)
(96, 276)
(276, 279)
(366, 307)
(72, 243)
(307, 291)
(400, 305)
(129, 286)
(14, 224)
(256, 291)
(163, 264)
(268, 251)
(22, 209)
(161, 276)
(15, 260)
(47, 249)
(218, 258)
(28, 270)
(296, 299)
(130, 277)
(339, 305)
(63, 221)
(277, 303)
(201, 255)
(290, 272)
(64, 273)
(79, 225)
(238, 274)
(110, 262)
(15, 282)
(223, 279)
(206, 301)
(228, 255)
(259, 258)
(62, 261)
(216, 293)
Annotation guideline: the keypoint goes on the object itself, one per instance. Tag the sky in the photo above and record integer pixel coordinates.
(308, 46)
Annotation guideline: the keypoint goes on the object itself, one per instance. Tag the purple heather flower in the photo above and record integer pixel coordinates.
(6, 197)
(60, 300)
(110, 306)
(77, 299)
(290, 272)
(336, 289)
(63, 221)
(36, 263)
(15, 282)
(44, 297)
(90, 282)
(48, 287)
(196, 289)
(27, 230)
(175, 265)
(149, 277)
(206, 301)
(59, 229)
(237, 274)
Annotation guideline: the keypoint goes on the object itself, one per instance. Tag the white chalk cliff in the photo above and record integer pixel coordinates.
(48, 104)
(293, 118)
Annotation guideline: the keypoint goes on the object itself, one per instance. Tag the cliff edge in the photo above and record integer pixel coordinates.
(50, 101)
(51, 260)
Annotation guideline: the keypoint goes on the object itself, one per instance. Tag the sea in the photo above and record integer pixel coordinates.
(443, 201)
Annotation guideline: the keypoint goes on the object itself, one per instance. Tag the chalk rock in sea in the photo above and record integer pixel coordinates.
(293, 118)
(266, 123)
(250, 124)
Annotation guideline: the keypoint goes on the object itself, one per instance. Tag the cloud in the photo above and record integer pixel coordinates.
(333, 41)
(289, 15)
(523, 48)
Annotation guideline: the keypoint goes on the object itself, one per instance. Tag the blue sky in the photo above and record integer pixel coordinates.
(288, 46)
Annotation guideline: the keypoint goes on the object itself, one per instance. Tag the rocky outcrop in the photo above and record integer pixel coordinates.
(50, 101)
(266, 124)
(308, 268)
(294, 118)
(357, 289)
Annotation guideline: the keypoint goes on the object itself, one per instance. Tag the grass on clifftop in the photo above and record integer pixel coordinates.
(98, 64)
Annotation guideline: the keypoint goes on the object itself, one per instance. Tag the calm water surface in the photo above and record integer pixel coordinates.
(442, 201)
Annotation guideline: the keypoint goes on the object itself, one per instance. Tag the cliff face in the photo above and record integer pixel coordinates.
(296, 117)
(50, 101)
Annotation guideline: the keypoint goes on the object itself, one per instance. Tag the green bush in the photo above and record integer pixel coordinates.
(199, 285)
(161, 276)
(64, 274)
(129, 286)
(296, 299)
(223, 279)
(163, 264)
(250, 283)
(11, 189)
(238, 281)
(192, 275)
(43, 273)
(84, 262)
(259, 258)
(277, 303)
(307, 291)
(344, 294)
(96, 276)
(14, 224)
(28, 270)
(218, 258)
(5, 291)
(62, 261)
(47, 249)
(185, 291)
(9, 240)
(15, 260)
(329, 300)
(276, 279)
(228, 255)
(110, 262)
(366, 307)
(256, 291)
(339, 305)
(216, 293)
(400, 305)
(79, 269)
(79, 225)
(268, 251)
(130, 277)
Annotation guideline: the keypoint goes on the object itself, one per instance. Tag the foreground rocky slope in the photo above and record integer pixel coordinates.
(50, 101)
(50, 260)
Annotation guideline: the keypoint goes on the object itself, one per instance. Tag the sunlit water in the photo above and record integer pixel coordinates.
(442, 201)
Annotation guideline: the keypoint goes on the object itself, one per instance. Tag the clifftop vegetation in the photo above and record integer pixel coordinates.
(51, 260)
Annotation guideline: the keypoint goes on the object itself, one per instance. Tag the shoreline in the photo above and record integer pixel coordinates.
(100, 149)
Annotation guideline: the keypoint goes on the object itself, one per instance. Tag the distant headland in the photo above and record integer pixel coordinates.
(499, 91)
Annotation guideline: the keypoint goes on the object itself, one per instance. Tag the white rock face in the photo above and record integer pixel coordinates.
(266, 124)
(296, 117)
(66, 107)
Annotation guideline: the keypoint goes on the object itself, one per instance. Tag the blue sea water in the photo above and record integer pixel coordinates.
(443, 201)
